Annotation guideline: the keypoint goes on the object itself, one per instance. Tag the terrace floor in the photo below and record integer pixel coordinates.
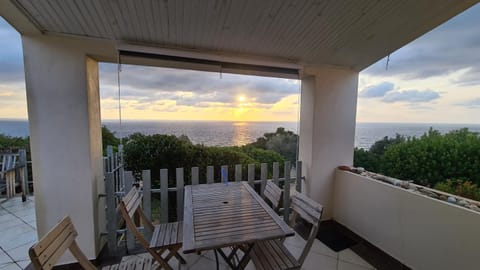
(18, 232)
(320, 257)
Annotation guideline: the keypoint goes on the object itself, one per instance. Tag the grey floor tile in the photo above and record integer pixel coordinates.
(27, 239)
(4, 259)
(14, 222)
(20, 253)
(350, 266)
(10, 266)
(315, 261)
(24, 213)
(23, 264)
(349, 256)
(320, 248)
(6, 218)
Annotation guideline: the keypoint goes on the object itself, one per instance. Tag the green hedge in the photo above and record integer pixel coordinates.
(427, 160)
(155, 152)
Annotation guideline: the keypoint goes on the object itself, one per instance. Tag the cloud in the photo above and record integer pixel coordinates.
(451, 47)
(378, 90)
(471, 104)
(190, 87)
(11, 55)
(411, 96)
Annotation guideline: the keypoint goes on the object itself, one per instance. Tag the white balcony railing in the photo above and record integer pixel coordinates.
(420, 231)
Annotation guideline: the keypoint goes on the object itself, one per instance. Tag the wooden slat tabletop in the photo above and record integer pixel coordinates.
(220, 215)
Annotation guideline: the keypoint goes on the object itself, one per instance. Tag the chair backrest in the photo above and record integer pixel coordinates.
(132, 201)
(273, 194)
(8, 163)
(311, 212)
(45, 254)
(130, 206)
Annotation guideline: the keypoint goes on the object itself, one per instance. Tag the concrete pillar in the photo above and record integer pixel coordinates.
(327, 128)
(65, 135)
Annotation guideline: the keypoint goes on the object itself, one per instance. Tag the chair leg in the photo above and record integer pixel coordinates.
(162, 261)
(180, 258)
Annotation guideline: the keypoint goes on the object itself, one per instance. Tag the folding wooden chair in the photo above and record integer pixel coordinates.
(273, 194)
(273, 255)
(45, 254)
(165, 237)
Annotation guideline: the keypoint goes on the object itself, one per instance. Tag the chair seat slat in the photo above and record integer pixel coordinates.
(272, 254)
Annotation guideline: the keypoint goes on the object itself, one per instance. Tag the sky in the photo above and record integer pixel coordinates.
(434, 79)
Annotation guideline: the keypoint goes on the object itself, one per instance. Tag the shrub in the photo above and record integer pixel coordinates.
(366, 159)
(281, 141)
(434, 157)
(7, 142)
(460, 187)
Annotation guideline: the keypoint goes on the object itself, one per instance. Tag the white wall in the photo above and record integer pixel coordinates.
(421, 232)
(327, 128)
(65, 131)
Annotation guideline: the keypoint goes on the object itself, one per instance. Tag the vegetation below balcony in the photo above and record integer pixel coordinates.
(447, 162)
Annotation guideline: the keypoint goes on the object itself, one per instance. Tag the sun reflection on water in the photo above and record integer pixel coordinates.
(240, 133)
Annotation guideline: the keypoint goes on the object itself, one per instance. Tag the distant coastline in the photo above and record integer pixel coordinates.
(225, 133)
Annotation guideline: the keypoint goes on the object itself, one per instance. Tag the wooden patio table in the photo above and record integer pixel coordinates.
(228, 215)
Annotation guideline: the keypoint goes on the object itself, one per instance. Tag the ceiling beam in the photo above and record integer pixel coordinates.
(17, 19)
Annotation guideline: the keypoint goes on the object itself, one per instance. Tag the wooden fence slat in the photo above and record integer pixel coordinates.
(286, 193)
(121, 169)
(298, 185)
(263, 178)
(164, 195)
(276, 173)
(111, 213)
(194, 175)
(147, 199)
(113, 164)
(224, 173)
(251, 174)
(210, 175)
(24, 173)
(180, 179)
(110, 157)
(238, 172)
(129, 180)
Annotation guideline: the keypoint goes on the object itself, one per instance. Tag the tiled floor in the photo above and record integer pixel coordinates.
(17, 232)
(320, 257)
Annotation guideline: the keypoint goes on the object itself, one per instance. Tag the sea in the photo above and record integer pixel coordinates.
(225, 133)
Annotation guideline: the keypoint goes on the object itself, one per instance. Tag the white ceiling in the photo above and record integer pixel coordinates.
(337, 32)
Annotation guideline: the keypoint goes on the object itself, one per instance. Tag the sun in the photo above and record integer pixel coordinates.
(241, 98)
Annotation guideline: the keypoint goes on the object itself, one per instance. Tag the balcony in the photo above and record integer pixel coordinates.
(390, 226)
(325, 45)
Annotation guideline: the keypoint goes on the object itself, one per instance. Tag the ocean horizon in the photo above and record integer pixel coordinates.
(228, 133)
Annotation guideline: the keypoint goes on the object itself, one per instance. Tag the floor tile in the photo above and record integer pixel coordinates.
(14, 222)
(348, 255)
(24, 213)
(4, 259)
(296, 241)
(28, 239)
(350, 266)
(20, 253)
(294, 250)
(317, 261)
(23, 264)
(6, 218)
(320, 248)
(10, 266)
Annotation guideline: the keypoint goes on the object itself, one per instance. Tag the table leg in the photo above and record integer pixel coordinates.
(216, 259)
(242, 262)
(246, 257)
